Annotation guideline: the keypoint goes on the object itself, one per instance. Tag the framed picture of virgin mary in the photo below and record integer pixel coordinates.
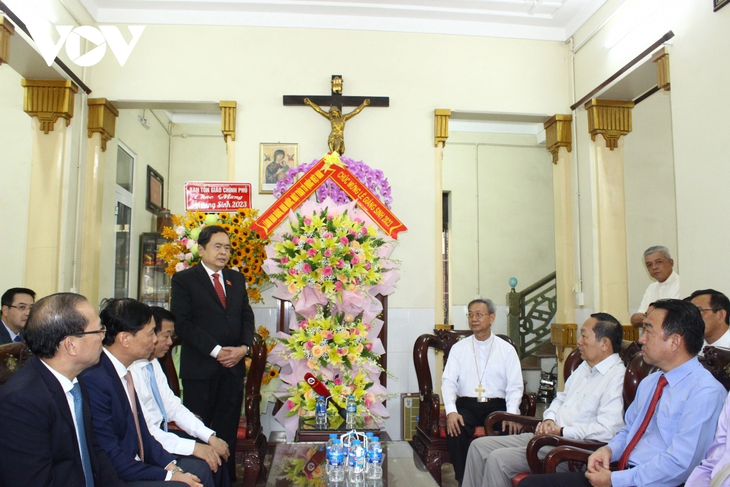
(274, 161)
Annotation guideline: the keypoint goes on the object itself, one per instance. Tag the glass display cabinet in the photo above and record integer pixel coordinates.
(154, 284)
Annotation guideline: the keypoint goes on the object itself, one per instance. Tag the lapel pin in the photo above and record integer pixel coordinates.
(228, 282)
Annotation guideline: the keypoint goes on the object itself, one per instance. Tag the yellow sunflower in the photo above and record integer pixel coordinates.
(223, 216)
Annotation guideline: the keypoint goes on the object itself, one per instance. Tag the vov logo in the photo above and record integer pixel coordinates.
(40, 29)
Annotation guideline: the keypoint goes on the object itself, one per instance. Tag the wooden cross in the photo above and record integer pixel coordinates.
(336, 99)
(479, 391)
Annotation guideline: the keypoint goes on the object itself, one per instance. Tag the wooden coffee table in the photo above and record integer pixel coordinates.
(309, 431)
(303, 464)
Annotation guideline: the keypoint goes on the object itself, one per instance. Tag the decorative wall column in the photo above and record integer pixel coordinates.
(228, 127)
(611, 119)
(559, 142)
(51, 104)
(661, 58)
(440, 133)
(101, 127)
(6, 31)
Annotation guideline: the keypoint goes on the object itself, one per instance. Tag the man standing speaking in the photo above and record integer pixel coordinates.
(216, 325)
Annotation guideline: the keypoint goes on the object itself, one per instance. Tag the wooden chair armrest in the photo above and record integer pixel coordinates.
(528, 422)
(563, 454)
(540, 441)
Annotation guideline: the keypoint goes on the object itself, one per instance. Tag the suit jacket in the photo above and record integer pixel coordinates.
(115, 429)
(202, 322)
(38, 443)
(4, 335)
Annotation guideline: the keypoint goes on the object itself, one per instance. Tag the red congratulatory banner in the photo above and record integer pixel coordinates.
(212, 197)
(308, 183)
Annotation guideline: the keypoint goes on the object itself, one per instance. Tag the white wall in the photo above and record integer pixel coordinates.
(15, 147)
(698, 120)
(199, 156)
(501, 215)
(651, 204)
(256, 66)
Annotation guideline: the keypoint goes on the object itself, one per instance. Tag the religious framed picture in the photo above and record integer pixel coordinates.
(155, 190)
(719, 4)
(274, 161)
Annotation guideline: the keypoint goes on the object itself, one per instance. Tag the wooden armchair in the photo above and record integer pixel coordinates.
(429, 441)
(250, 448)
(715, 359)
(251, 441)
(13, 356)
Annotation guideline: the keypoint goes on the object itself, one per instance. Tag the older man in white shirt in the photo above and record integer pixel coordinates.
(590, 407)
(484, 372)
(660, 266)
(161, 406)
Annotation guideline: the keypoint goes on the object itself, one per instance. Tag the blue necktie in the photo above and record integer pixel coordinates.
(83, 448)
(17, 338)
(156, 394)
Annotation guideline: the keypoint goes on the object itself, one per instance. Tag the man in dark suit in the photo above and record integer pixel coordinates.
(122, 432)
(216, 325)
(16, 305)
(47, 437)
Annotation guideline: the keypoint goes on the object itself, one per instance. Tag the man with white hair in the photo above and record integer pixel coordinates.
(660, 266)
(482, 375)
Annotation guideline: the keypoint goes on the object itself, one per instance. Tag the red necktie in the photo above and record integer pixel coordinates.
(642, 428)
(219, 290)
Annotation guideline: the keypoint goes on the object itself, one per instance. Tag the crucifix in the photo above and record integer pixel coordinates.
(336, 101)
(479, 391)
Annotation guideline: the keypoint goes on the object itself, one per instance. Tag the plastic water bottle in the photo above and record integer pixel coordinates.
(335, 461)
(321, 411)
(375, 459)
(328, 449)
(357, 462)
(351, 413)
(367, 442)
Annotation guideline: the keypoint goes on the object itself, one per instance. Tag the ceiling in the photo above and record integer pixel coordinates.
(554, 20)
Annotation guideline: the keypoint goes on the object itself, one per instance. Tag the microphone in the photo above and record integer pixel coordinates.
(322, 390)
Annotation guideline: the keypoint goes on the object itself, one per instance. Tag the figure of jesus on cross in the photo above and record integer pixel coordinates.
(336, 140)
(336, 101)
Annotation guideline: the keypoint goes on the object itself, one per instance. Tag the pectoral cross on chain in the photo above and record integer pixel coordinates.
(479, 391)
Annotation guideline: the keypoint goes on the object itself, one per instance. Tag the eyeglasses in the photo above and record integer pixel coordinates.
(702, 310)
(478, 314)
(22, 307)
(102, 330)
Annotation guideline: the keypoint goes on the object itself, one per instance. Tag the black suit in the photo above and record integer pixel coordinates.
(211, 390)
(38, 442)
(4, 335)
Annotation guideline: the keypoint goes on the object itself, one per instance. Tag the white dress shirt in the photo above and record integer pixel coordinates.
(503, 377)
(176, 412)
(660, 290)
(723, 341)
(67, 385)
(591, 407)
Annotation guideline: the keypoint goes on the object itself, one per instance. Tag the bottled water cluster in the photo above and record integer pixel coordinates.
(360, 463)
